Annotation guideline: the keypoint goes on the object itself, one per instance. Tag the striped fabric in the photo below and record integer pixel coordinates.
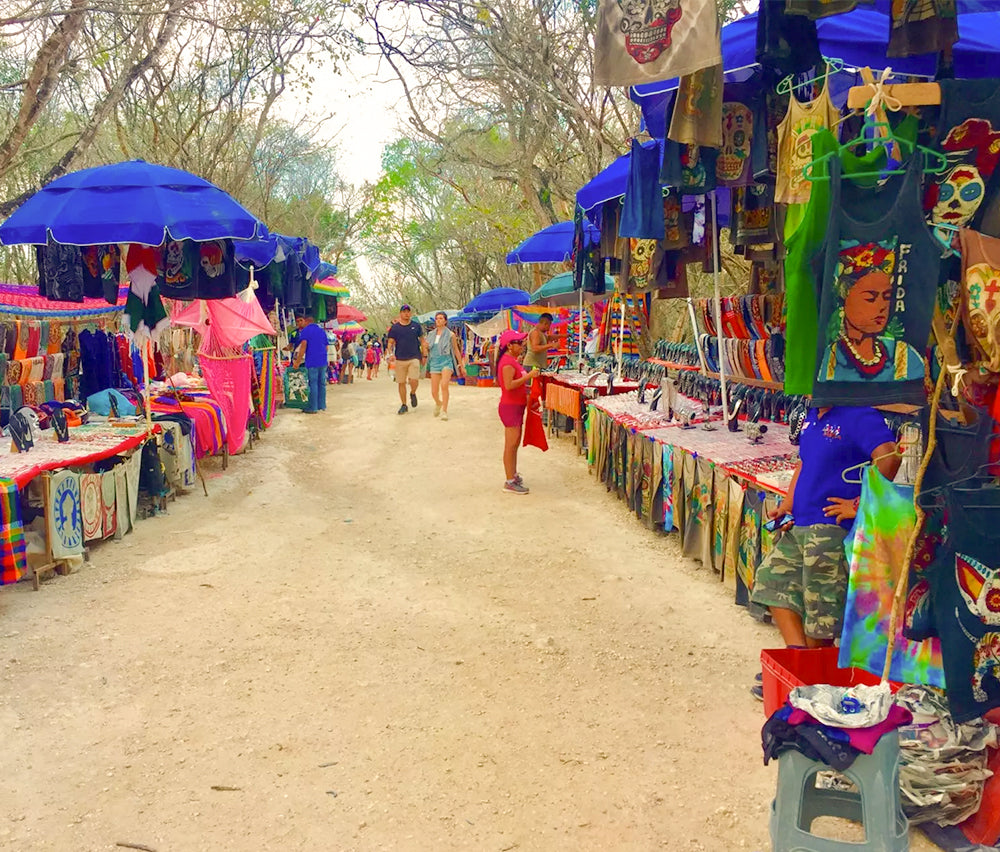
(268, 381)
(13, 552)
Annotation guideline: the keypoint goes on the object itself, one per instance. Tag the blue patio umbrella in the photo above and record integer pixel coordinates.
(553, 244)
(131, 202)
(496, 300)
(558, 291)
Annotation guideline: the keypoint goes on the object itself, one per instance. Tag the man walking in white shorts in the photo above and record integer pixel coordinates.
(404, 340)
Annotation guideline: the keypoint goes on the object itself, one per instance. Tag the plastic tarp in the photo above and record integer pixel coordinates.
(223, 323)
(492, 327)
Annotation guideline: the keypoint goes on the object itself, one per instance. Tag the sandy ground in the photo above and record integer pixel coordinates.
(357, 642)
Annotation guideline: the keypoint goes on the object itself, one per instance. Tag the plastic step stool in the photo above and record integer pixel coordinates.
(876, 805)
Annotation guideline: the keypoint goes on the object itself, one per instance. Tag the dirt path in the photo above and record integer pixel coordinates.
(357, 642)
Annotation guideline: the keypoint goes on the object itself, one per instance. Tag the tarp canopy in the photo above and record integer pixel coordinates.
(553, 244)
(859, 38)
(492, 327)
(558, 291)
(497, 299)
(223, 323)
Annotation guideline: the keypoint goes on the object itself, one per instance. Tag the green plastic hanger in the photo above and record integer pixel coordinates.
(934, 161)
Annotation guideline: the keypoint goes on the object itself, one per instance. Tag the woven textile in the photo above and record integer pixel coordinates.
(13, 552)
(229, 383)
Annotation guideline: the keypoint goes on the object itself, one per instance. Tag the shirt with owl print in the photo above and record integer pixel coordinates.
(967, 132)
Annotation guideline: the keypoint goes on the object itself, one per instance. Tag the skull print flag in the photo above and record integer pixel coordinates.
(640, 41)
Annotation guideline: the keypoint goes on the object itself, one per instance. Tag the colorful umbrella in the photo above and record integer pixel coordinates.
(132, 202)
(348, 328)
(330, 286)
(223, 323)
(346, 313)
(497, 299)
(553, 244)
(558, 291)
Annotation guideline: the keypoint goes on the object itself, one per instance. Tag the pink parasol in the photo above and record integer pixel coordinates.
(346, 313)
(223, 323)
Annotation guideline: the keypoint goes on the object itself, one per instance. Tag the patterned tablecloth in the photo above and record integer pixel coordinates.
(86, 445)
(723, 447)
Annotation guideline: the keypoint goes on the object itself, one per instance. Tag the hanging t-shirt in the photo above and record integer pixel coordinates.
(802, 243)
(734, 166)
(829, 445)
(968, 134)
(981, 296)
(637, 43)
(60, 272)
(929, 26)
(642, 207)
(965, 601)
(752, 220)
(677, 226)
(786, 44)
(795, 144)
(698, 110)
(879, 270)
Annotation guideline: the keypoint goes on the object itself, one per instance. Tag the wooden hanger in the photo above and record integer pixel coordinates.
(903, 94)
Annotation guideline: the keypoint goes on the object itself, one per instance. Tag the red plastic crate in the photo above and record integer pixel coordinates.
(785, 668)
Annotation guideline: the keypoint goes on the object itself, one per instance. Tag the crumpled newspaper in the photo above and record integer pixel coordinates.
(943, 764)
(843, 706)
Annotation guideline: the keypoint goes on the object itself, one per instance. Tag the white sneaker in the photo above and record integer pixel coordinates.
(437, 408)
(444, 415)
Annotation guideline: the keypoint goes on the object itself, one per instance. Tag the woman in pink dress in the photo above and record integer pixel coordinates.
(513, 379)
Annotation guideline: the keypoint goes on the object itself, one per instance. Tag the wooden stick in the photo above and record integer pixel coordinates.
(902, 582)
(141, 846)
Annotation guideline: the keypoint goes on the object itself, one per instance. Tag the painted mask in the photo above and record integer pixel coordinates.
(959, 196)
(647, 25)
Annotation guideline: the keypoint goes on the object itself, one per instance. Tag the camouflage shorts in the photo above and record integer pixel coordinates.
(807, 572)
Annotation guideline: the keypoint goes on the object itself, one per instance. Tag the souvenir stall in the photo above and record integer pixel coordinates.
(865, 203)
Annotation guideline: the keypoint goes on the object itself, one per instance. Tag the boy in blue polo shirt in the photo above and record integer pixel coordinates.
(803, 581)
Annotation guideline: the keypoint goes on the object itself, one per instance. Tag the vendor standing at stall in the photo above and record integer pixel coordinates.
(310, 352)
(803, 581)
(536, 352)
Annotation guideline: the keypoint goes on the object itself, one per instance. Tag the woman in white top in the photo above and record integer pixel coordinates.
(444, 357)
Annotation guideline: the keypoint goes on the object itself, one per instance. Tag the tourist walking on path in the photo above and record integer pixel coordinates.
(537, 346)
(513, 402)
(443, 351)
(405, 345)
(310, 351)
(371, 354)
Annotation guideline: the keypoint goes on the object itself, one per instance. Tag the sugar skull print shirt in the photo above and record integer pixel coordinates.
(967, 193)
